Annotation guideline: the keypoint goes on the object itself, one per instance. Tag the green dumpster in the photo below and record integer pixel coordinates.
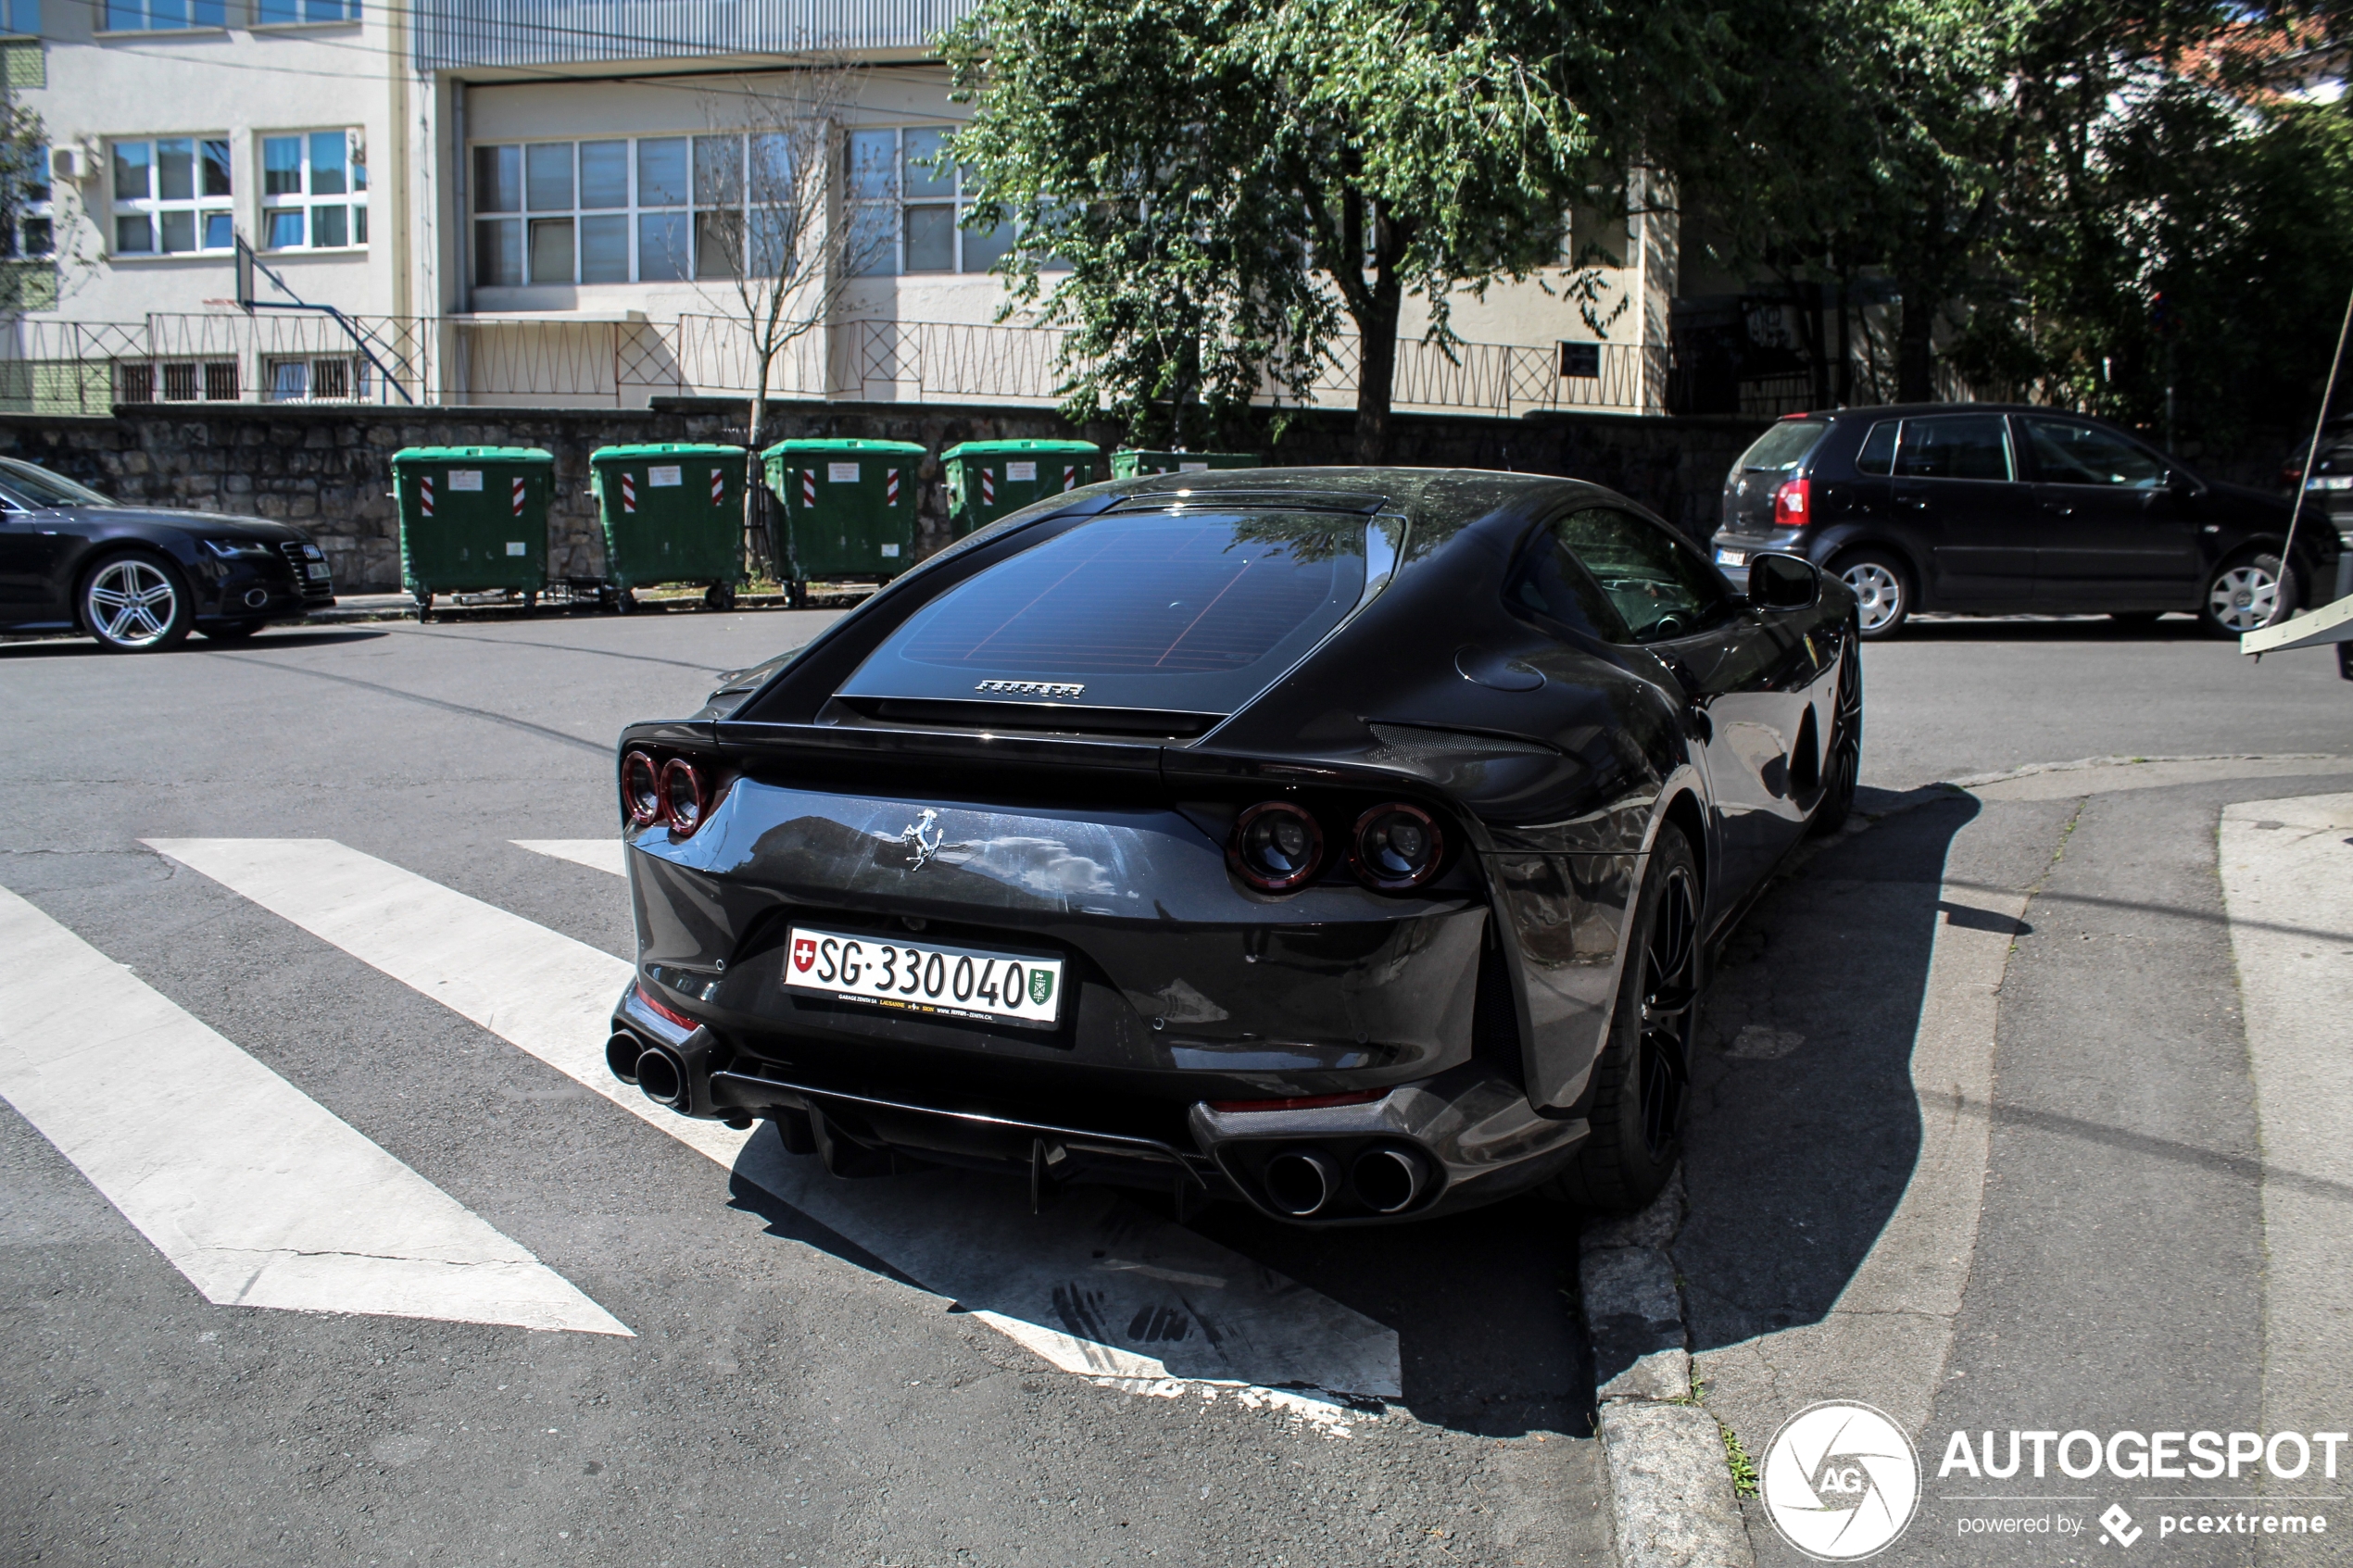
(988, 479)
(850, 509)
(473, 520)
(673, 512)
(1131, 462)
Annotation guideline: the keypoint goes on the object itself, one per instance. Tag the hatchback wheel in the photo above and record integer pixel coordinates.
(1642, 1085)
(135, 604)
(2246, 595)
(1882, 591)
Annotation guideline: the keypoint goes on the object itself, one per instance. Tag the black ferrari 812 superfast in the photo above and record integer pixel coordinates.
(1352, 843)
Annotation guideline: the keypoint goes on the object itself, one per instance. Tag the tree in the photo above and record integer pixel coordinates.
(1231, 180)
(769, 249)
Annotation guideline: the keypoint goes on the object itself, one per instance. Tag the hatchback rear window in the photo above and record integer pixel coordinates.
(1172, 611)
(1783, 446)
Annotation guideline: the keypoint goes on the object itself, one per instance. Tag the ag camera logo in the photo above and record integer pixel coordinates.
(1841, 1481)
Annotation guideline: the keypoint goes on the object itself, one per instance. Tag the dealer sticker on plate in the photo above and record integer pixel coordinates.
(923, 978)
(1732, 558)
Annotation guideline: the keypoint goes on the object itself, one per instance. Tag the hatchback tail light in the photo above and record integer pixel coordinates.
(1276, 846)
(1794, 503)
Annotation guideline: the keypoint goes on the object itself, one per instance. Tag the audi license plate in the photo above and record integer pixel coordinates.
(1732, 558)
(319, 571)
(923, 978)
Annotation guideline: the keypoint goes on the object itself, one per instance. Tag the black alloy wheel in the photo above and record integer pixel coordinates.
(1843, 764)
(1642, 1085)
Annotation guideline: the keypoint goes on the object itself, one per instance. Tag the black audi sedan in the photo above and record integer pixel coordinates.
(1988, 508)
(139, 578)
(1351, 843)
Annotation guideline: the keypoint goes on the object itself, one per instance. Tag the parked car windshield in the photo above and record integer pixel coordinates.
(1179, 610)
(31, 487)
(1783, 446)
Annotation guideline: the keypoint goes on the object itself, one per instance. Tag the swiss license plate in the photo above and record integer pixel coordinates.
(923, 978)
(319, 571)
(1732, 558)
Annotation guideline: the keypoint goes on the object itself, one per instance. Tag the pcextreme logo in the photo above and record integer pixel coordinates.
(1841, 1481)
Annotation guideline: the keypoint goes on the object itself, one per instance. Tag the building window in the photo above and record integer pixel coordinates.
(908, 209)
(164, 16)
(657, 209)
(32, 230)
(314, 193)
(170, 197)
(334, 379)
(289, 13)
(21, 18)
(181, 380)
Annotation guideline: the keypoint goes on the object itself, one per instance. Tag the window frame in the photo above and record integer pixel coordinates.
(2165, 466)
(1903, 427)
(35, 208)
(1727, 603)
(353, 12)
(307, 201)
(103, 20)
(202, 206)
(958, 200)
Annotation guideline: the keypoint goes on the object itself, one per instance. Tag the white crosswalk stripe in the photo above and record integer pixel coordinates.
(253, 1190)
(1095, 1287)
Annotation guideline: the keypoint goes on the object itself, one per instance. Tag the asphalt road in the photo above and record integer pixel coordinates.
(799, 1382)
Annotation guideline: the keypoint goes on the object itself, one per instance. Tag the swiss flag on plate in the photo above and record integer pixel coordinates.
(804, 952)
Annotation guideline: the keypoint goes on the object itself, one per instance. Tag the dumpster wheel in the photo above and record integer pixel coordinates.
(796, 594)
(625, 601)
(424, 609)
(719, 596)
(530, 601)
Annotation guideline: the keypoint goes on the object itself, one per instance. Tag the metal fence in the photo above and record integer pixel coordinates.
(68, 367)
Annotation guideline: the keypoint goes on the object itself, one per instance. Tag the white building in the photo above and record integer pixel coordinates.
(492, 201)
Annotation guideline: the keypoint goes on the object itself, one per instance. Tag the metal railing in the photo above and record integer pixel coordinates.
(88, 367)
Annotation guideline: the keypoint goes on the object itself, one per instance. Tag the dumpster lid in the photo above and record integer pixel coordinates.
(473, 455)
(664, 449)
(880, 448)
(992, 448)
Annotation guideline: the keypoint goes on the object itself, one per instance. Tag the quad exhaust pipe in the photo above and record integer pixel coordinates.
(656, 1070)
(1306, 1181)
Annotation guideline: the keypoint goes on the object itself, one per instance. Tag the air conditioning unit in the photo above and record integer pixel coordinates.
(69, 163)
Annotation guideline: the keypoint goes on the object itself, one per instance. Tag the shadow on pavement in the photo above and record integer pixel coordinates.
(1805, 1126)
(2052, 628)
(68, 646)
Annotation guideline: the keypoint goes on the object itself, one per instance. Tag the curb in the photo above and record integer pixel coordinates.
(1672, 1498)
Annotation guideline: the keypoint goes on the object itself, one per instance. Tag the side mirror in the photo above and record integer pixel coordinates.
(2182, 483)
(1778, 580)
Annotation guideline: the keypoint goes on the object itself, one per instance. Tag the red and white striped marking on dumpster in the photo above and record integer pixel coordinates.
(1070, 477)
(519, 484)
(718, 488)
(808, 487)
(628, 492)
(890, 487)
(988, 487)
(424, 495)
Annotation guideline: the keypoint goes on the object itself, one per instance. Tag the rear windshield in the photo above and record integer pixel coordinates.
(1181, 611)
(1783, 446)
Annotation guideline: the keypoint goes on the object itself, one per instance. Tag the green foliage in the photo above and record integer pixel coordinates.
(1234, 184)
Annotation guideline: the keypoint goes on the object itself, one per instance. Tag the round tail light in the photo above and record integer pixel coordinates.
(640, 790)
(681, 794)
(1276, 846)
(1397, 847)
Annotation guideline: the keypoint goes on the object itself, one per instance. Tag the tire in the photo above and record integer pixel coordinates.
(530, 601)
(1642, 1085)
(626, 602)
(230, 631)
(719, 596)
(1883, 589)
(1843, 759)
(424, 609)
(134, 602)
(2245, 594)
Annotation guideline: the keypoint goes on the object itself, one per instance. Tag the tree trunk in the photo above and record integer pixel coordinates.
(1916, 347)
(757, 539)
(1377, 374)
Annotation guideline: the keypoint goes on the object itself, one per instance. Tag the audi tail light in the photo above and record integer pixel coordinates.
(640, 790)
(1276, 846)
(1396, 846)
(1794, 503)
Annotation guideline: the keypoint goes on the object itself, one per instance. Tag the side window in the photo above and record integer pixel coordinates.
(1550, 583)
(2073, 454)
(1878, 454)
(1658, 586)
(1954, 446)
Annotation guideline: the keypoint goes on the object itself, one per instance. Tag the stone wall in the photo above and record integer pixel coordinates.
(329, 468)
